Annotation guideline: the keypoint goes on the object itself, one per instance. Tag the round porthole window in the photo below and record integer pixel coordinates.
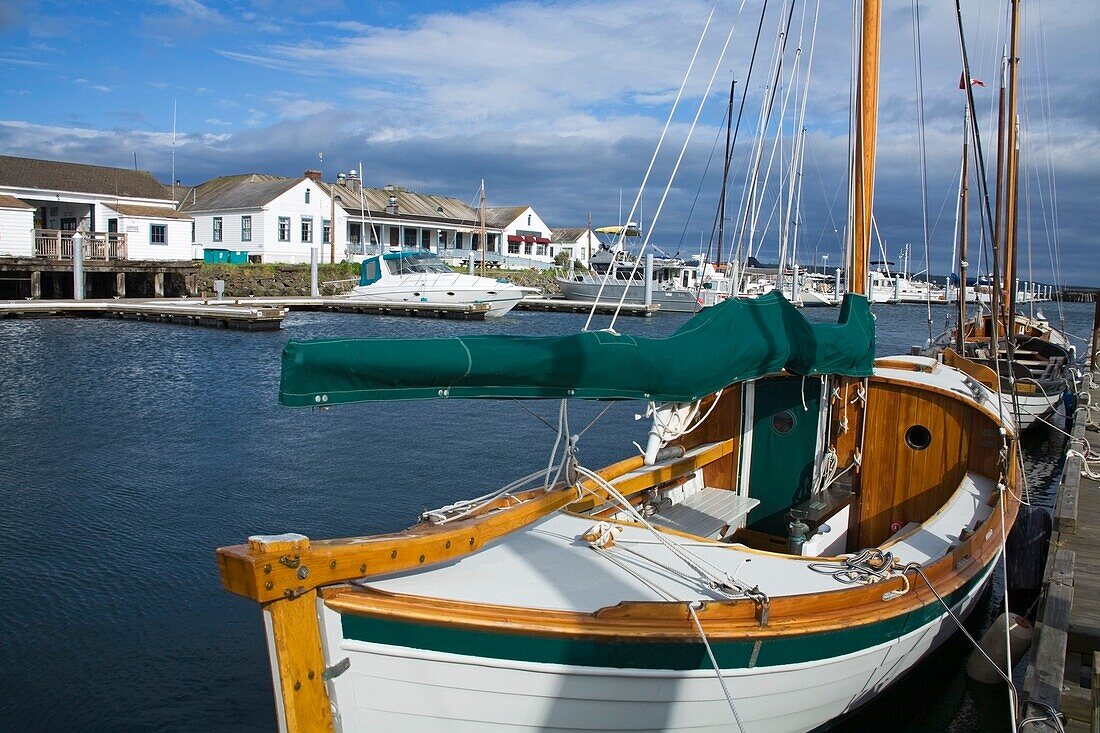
(783, 422)
(917, 437)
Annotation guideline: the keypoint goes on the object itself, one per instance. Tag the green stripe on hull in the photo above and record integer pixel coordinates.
(642, 654)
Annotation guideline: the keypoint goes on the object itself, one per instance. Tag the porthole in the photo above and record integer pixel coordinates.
(450, 294)
(783, 422)
(918, 437)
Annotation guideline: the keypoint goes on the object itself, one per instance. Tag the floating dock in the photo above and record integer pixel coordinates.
(186, 312)
(560, 305)
(1065, 656)
(339, 304)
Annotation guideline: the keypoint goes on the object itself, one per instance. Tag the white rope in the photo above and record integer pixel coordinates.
(1008, 614)
(717, 669)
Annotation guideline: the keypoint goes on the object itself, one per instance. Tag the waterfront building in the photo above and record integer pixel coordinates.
(580, 243)
(527, 239)
(255, 217)
(122, 214)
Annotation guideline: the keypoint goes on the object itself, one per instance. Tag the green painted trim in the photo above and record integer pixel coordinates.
(641, 654)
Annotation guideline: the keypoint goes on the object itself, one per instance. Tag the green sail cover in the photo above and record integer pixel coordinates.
(731, 342)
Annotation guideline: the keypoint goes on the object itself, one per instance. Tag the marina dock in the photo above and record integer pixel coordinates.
(1065, 656)
(561, 305)
(251, 317)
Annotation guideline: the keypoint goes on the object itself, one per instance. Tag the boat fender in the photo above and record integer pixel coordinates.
(1020, 633)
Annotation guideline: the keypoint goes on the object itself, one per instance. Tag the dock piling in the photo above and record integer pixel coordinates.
(78, 266)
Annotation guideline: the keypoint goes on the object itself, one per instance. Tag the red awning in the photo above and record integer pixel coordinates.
(542, 240)
(514, 238)
(530, 240)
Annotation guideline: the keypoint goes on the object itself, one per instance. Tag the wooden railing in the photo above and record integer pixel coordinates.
(57, 244)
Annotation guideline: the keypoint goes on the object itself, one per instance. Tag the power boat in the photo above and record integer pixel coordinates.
(418, 275)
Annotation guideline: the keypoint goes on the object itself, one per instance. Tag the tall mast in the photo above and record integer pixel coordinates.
(865, 136)
(1012, 153)
(484, 243)
(960, 331)
(725, 176)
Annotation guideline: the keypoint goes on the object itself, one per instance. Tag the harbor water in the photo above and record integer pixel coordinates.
(132, 450)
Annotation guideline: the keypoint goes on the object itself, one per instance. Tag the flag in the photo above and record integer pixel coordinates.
(973, 81)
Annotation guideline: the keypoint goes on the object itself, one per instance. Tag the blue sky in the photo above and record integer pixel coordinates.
(556, 104)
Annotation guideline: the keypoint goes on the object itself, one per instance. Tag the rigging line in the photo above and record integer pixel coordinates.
(679, 159)
(717, 669)
(748, 194)
(653, 158)
(1044, 87)
(1012, 700)
(919, 83)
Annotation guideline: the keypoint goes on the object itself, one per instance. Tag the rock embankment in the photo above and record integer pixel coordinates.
(274, 281)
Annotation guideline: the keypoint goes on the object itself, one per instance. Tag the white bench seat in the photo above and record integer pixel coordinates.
(705, 513)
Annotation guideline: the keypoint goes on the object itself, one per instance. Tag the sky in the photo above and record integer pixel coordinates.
(560, 104)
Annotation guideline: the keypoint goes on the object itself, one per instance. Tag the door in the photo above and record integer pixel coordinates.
(784, 424)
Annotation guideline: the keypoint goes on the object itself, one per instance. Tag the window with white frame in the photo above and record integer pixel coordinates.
(246, 228)
(326, 231)
(158, 234)
(307, 195)
(284, 228)
(307, 229)
(217, 234)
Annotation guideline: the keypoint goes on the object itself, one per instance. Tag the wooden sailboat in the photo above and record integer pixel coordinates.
(790, 543)
(1026, 359)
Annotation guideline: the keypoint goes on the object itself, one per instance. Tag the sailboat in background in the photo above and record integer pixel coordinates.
(1023, 357)
(766, 564)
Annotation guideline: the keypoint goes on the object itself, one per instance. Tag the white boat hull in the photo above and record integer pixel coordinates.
(500, 299)
(1029, 408)
(400, 688)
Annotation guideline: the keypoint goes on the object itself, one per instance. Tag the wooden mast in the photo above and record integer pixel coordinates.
(865, 137)
(960, 334)
(725, 177)
(1012, 155)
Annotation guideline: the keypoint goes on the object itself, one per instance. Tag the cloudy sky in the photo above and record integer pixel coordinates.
(558, 104)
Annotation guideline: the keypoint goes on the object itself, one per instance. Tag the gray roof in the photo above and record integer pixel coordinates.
(245, 191)
(10, 202)
(52, 175)
(502, 216)
(568, 234)
(148, 212)
(409, 205)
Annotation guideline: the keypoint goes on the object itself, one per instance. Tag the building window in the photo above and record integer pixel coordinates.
(458, 240)
(528, 220)
(246, 228)
(513, 248)
(307, 229)
(284, 228)
(158, 234)
(192, 232)
(217, 229)
(326, 231)
(307, 195)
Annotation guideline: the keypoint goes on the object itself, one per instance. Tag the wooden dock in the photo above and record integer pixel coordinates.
(185, 312)
(338, 304)
(1062, 667)
(560, 305)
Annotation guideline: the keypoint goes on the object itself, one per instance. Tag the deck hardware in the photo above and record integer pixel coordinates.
(268, 585)
(303, 572)
(336, 670)
(393, 555)
(292, 593)
(471, 542)
(332, 565)
(448, 545)
(421, 558)
(291, 561)
(297, 685)
(267, 568)
(363, 568)
(755, 653)
(311, 674)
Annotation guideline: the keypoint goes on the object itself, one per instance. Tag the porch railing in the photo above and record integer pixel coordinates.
(55, 244)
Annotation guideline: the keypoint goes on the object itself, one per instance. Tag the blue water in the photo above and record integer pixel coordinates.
(130, 451)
